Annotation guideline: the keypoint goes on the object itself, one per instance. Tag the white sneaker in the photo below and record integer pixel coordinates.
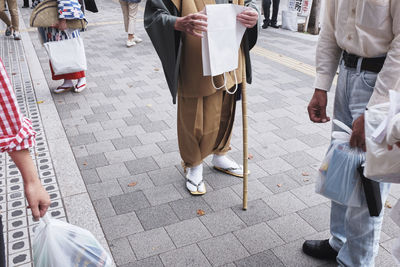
(130, 43)
(137, 39)
(17, 36)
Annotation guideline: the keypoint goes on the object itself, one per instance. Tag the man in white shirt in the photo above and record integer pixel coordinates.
(363, 38)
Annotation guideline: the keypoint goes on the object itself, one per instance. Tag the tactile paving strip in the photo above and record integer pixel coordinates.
(18, 230)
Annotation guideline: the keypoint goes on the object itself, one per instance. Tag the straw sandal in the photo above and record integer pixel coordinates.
(234, 171)
(197, 192)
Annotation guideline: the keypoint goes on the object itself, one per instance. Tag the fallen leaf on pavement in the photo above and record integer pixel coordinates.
(132, 184)
(40, 102)
(305, 174)
(250, 156)
(149, 105)
(85, 163)
(13, 73)
(279, 185)
(388, 205)
(201, 212)
(156, 69)
(306, 180)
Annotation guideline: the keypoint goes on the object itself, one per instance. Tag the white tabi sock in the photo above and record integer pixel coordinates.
(67, 83)
(195, 174)
(222, 161)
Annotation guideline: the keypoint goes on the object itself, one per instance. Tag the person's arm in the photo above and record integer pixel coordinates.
(38, 198)
(16, 136)
(327, 60)
(389, 77)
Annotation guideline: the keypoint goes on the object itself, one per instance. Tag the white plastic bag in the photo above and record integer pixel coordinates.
(67, 56)
(289, 20)
(382, 165)
(338, 178)
(57, 243)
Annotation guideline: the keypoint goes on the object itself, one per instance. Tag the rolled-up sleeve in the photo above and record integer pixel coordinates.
(16, 132)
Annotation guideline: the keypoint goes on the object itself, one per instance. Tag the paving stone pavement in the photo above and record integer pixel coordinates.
(19, 227)
(122, 131)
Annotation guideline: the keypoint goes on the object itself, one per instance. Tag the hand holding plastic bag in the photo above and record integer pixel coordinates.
(338, 178)
(57, 243)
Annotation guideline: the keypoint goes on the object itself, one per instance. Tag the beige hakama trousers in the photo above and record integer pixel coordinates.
(205, 126)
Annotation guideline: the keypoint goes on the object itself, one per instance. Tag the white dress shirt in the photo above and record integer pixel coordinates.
(367, 28)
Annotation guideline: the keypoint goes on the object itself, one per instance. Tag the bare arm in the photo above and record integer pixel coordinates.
(37, 197)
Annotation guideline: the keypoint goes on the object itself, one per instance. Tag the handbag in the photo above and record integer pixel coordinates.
(45, 14)
(67, 56)
(90, 5)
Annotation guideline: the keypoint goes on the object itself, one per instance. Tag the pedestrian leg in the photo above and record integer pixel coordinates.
(275, 11)
(266, 4)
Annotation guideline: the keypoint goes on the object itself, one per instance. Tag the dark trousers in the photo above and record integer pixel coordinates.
(266, 4)
(26, 2)
(2, 252)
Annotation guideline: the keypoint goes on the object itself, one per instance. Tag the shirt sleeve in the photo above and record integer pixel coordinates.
(16, 132)
(328, 52)
(389, 78)
(69, 9)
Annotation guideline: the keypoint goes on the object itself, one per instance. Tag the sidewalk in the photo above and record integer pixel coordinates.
(120, 138)
(52, 155)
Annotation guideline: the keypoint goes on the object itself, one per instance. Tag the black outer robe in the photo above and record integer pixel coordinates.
(159, 21)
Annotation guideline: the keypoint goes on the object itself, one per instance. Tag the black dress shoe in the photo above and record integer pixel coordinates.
(264, 26)
(25, 6)
(274, 25)
(320, 249)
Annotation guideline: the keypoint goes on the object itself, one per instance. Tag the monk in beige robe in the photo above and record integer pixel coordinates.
(205, 114)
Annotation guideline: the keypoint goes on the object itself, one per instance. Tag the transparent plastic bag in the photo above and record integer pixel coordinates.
(57, 243)
(338, 178)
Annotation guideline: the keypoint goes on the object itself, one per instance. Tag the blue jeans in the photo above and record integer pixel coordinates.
(355, 235)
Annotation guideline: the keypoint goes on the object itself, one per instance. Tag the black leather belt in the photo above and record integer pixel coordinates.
(369, 64)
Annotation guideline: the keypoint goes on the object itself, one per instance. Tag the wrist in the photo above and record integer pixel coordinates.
(31, 180)
(320, 91)
(177, 24)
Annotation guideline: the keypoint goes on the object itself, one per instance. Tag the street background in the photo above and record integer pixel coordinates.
(116, 170)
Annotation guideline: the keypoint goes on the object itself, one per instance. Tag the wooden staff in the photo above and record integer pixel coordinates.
(245, 145)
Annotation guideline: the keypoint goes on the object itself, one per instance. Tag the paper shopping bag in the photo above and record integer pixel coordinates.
(221, 43)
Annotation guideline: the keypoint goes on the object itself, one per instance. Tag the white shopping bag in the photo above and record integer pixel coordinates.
(67, 56)
(221, 43)
(381, 164)
(289, 20)
(57, 243)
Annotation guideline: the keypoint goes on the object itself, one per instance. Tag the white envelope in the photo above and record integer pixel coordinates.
(221, 42)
